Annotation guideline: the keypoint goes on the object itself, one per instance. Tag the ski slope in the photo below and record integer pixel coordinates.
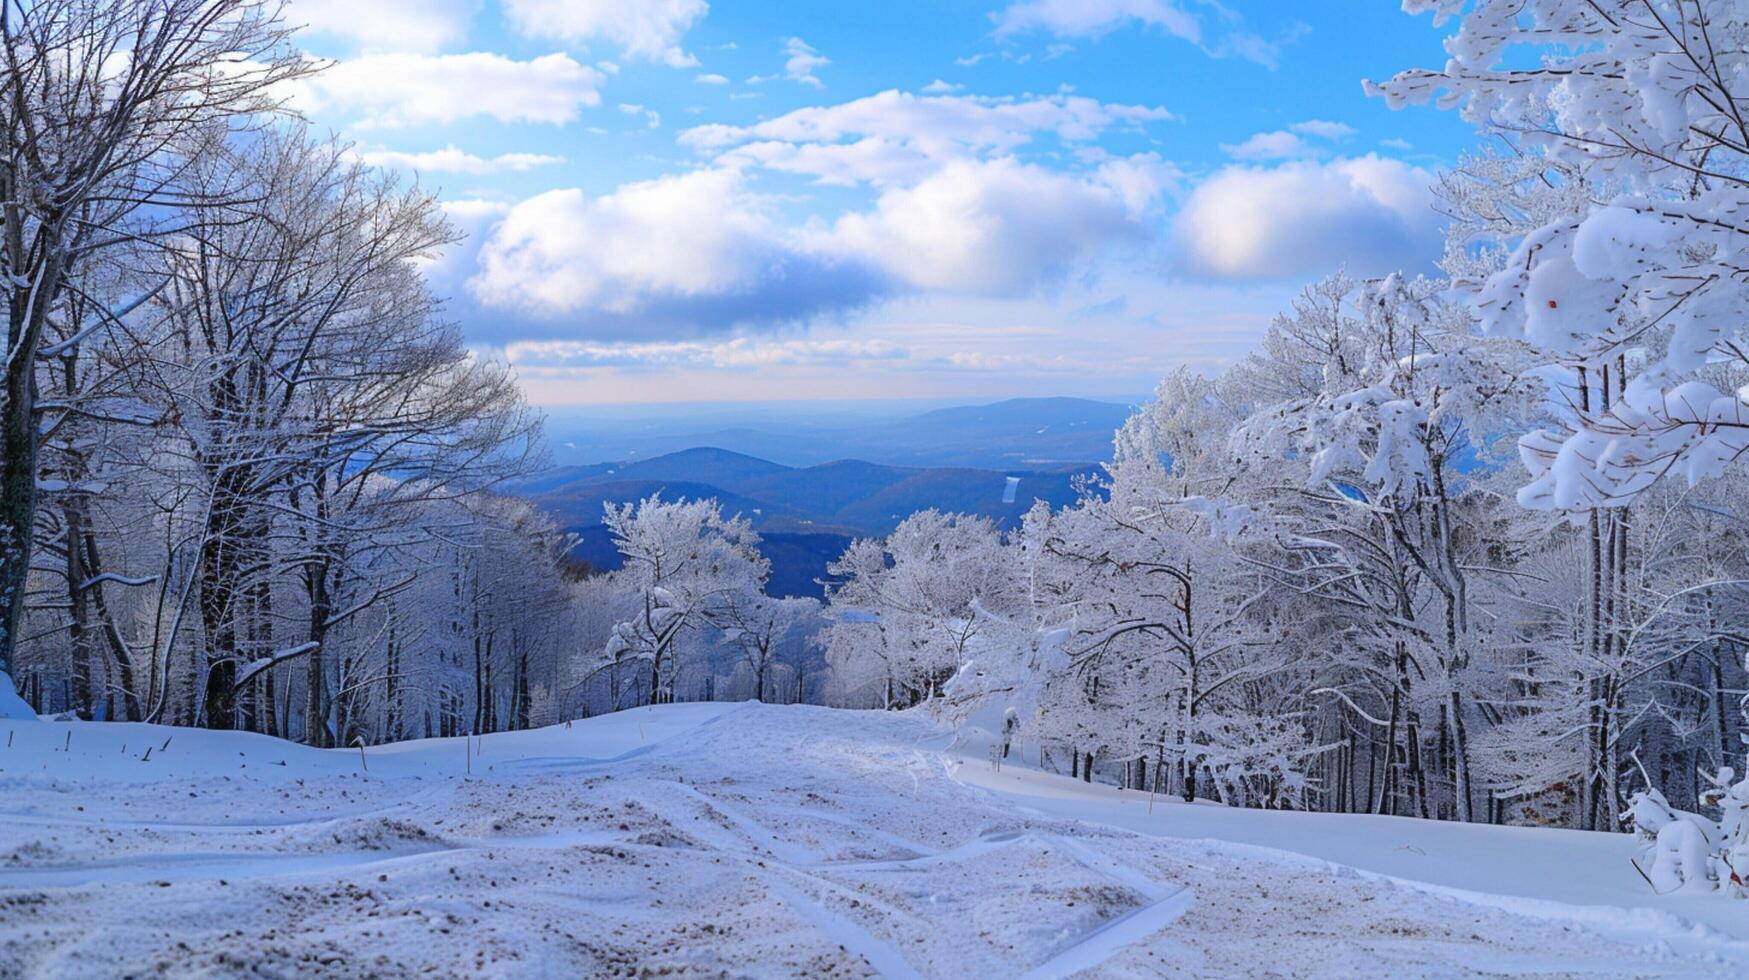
(708, 839)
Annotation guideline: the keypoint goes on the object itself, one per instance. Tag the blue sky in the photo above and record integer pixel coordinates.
(675, 200)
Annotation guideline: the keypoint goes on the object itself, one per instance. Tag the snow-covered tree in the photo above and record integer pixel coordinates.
(103, 106)
(1624, 274)
(685, 562)
(915, 603)
(1642, 284)
(765, 630)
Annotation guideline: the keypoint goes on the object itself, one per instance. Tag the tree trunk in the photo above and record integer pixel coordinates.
(392, 694)
(17, 491)
(121, 660)
(79, 632)
(1388, 785)
(26, 315)
(1460, 755)
(316, 731)
(522, 708)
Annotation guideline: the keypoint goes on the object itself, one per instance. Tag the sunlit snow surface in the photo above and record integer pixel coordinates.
(765, 841)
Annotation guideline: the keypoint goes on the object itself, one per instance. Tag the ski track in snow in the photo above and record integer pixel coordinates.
(698, 840)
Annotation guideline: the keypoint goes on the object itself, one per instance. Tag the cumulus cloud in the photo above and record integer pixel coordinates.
(448, 271)
(712, 79)
(995, 227)
(406, 89)
(1140, 180)
(954, 211)
(454, 160)
(648, 29)
(1094, 18)
(699, 252)
(693, 252)
(1303, 218)
(405, 25)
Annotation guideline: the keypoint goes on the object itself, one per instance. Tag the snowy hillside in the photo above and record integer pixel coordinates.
(751, 839)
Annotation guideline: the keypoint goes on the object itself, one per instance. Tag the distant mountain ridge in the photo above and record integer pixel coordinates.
(1025, 433)
(806, 514)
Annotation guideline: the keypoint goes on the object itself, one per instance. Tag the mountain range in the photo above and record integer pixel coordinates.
(1025, 433)
(810, 485)
(806, 516)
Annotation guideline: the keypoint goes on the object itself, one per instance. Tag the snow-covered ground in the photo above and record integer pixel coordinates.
(756, 840)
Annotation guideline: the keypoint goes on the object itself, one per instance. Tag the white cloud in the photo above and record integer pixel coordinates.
(929, 128)
(995, 227)
(411, 89)
(383, 25)
(700, 252)
(454, 160)
(1395, 143)
(803, 59)
(712, 79)
(448, 271)
(1091, 18)
(684, 253)
(652, 118)
(739, 352)
(939, 87)
(1303, 218)
(1286, 144)
(649, 29)
(896, 139)
(954, 212)
(1324, 129)
(869, 160)
(1141, 180)
(1094, 18)
(1277, 145)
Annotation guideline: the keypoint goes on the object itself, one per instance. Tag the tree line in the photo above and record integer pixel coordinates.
(248, 461)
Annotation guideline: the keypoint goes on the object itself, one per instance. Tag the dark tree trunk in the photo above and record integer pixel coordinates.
(522, 713)
(26, 315)
(79, 632)
(17, 488)
(392, 693)
(316, 730)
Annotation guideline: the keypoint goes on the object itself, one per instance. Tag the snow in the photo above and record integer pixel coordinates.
(764, 840)
(12, 707)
